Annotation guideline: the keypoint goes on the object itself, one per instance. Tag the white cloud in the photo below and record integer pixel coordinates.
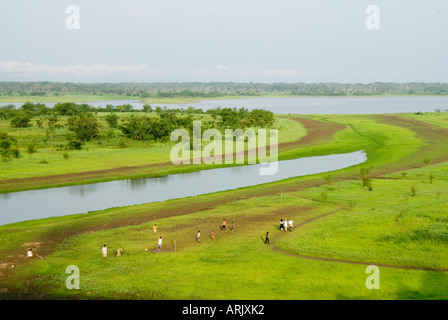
(23, 71)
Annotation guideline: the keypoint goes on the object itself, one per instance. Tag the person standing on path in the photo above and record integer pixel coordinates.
(159, 244)
(290, 222)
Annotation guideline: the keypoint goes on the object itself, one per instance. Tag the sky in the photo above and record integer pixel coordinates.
(224, 40)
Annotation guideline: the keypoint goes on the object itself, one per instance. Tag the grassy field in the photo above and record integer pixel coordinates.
(400, 225)
(140, 158)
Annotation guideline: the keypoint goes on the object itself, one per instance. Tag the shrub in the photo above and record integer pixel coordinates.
(431, 177)
(413, 190)
(85, 126)
(74, 145)
(21, 121)
(112, 120)
(31, 148)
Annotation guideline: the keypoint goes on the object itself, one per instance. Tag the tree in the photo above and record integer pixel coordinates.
(112, 120)
(147, 108)
(66, 108)
(85, 126)
(7, 147)
(21, 120)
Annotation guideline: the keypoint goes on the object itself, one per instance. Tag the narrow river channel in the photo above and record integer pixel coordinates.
(44, 203)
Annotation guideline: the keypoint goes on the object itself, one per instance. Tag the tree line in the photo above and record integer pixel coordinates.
(147, 124)
(219, 89)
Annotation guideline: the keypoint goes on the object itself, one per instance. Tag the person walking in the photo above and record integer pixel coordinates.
(159, 244)
(104, 250)
(290, 222)
(267, 238)
(198, 237)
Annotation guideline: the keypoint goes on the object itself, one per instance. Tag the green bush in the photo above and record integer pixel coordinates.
(22, 120)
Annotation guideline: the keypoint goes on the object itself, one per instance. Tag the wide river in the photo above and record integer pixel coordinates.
(305, 105)
(37, 204)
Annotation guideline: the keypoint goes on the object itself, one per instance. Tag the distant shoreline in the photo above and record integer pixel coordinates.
(180, 100)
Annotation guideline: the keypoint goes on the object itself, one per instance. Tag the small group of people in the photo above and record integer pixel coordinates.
(104, 251)
(160, 239)
(286, 225)
(224, 226)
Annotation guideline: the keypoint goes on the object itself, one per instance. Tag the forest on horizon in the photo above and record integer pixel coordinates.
(219, 89)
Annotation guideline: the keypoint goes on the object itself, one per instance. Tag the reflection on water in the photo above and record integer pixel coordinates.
(136, 184)
(81, 190)
(37, 204)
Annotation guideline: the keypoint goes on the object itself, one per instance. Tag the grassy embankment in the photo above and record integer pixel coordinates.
(340, 221)
(112, 156)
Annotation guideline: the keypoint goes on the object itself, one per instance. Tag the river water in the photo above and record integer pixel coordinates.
(305, 105)
(37, 204)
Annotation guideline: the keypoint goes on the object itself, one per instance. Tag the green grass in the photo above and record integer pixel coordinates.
(386, 224)
(338, 221)
(238, 265)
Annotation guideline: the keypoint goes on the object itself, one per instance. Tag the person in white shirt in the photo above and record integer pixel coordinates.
(104, 251)
(290, 222)
(159, 244)
(198, 237)
(285, 224)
